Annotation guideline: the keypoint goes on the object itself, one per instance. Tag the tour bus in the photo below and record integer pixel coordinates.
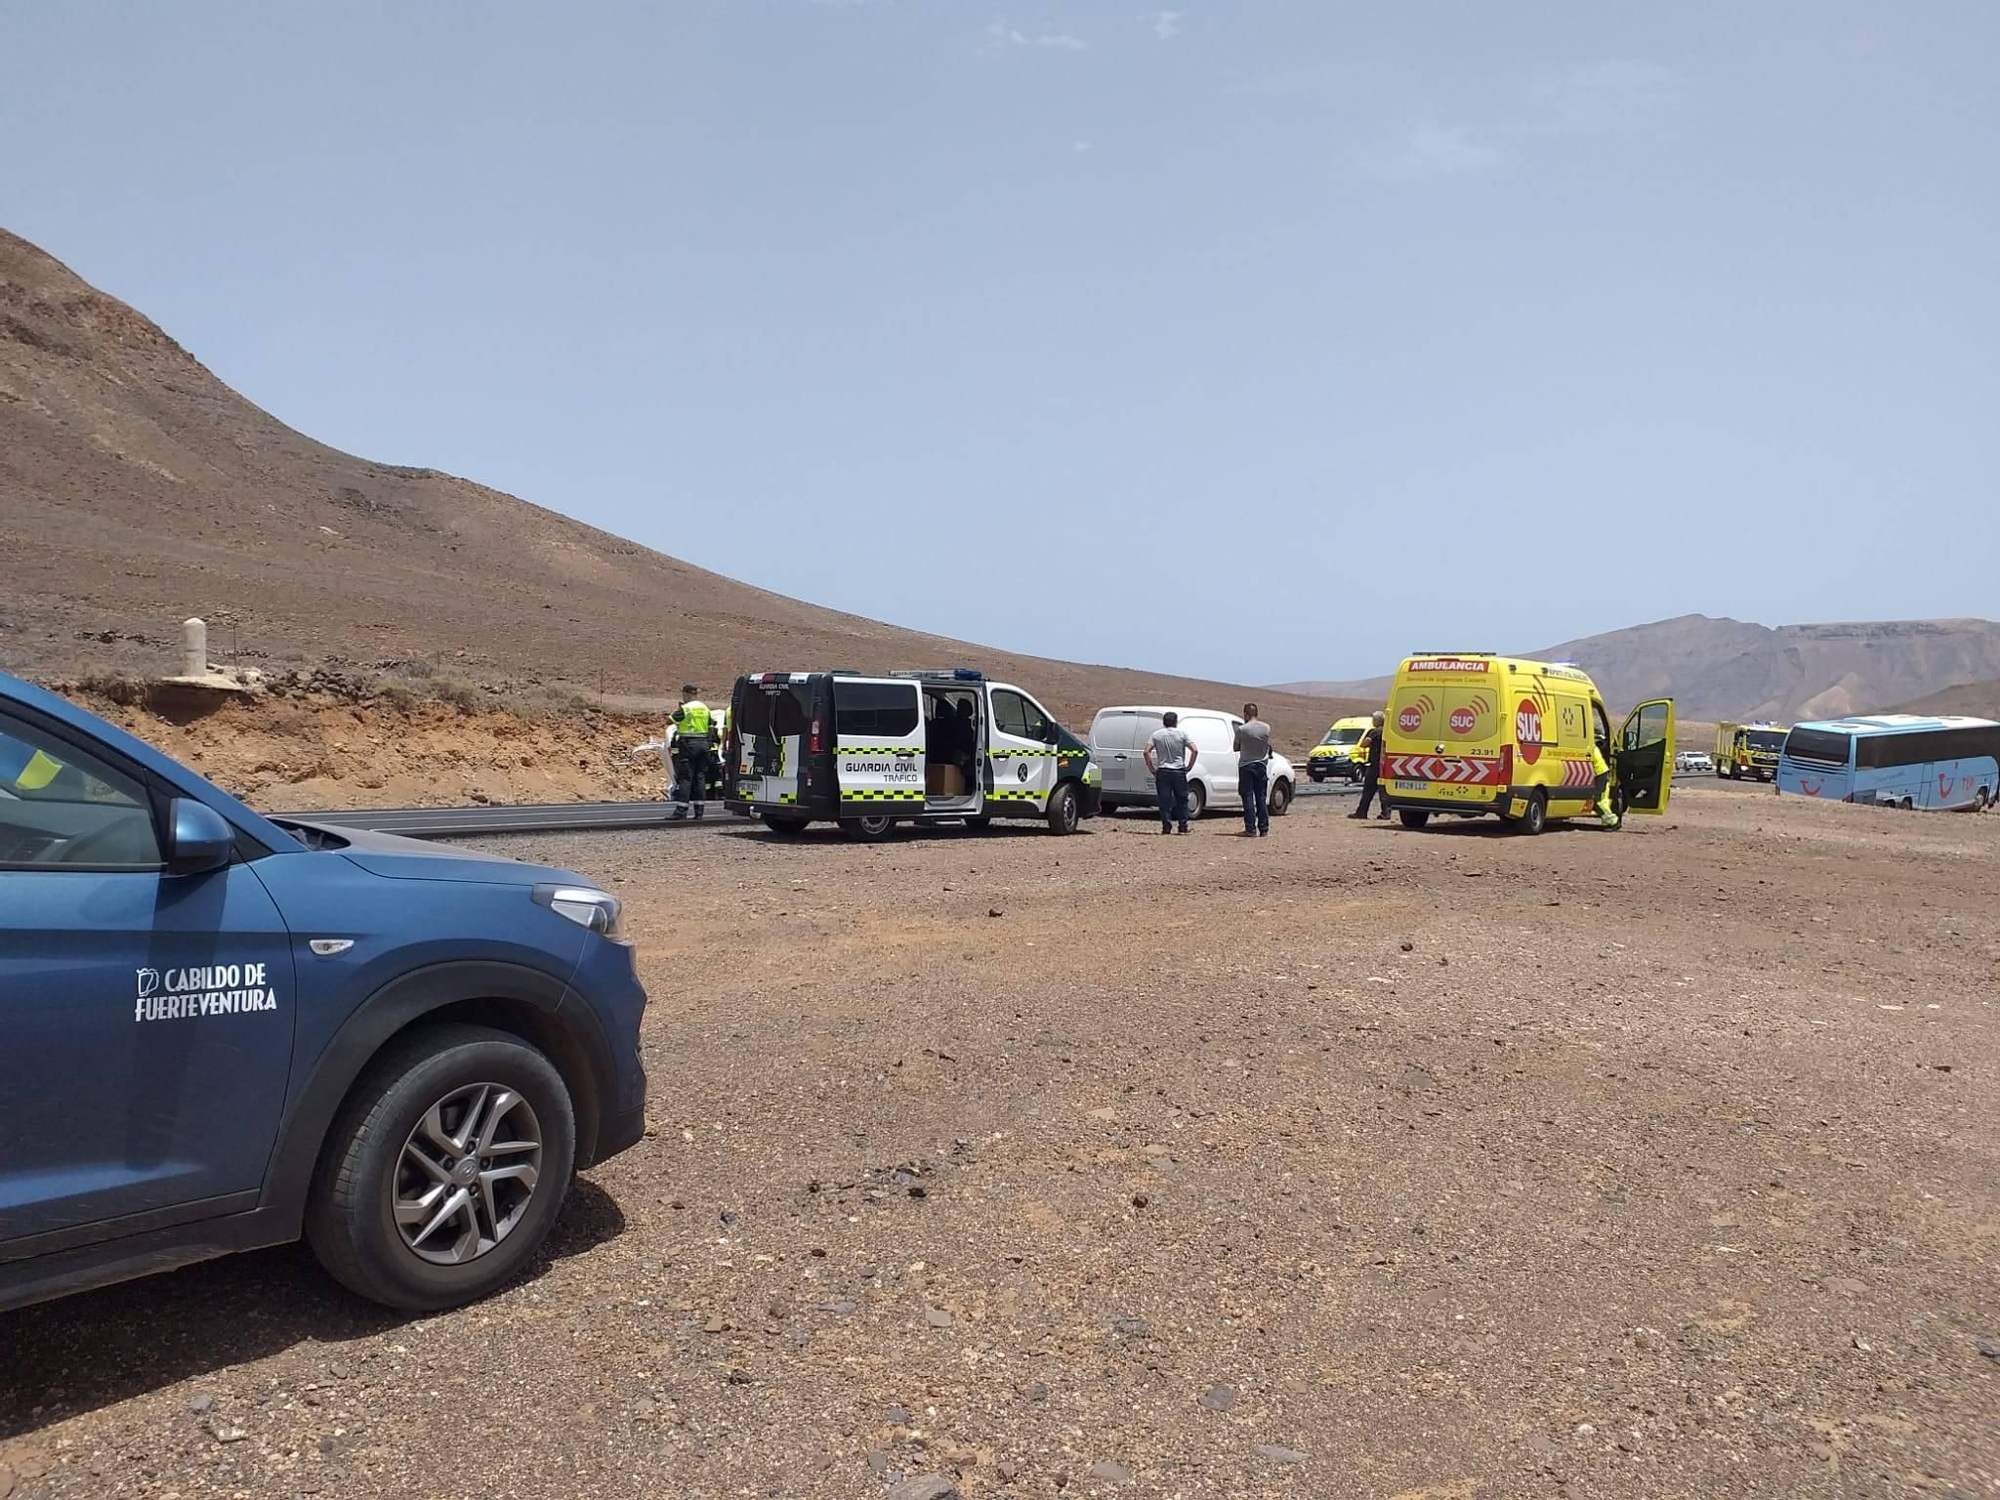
(1894, 760)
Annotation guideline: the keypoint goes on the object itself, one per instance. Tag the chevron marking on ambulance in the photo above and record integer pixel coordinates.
(1577, 773)
(1452, 770)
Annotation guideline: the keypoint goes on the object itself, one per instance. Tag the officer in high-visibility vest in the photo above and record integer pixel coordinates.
(1601, 769)
(694, 752)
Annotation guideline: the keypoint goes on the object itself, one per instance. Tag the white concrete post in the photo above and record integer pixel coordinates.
(194, 648)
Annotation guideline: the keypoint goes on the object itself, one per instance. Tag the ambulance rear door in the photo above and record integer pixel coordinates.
(878, 746)
(1645, 756)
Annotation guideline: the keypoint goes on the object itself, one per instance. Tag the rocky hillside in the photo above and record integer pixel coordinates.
(136, 489)
(1731, 669)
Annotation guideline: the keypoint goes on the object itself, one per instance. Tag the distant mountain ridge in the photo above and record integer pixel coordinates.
(1735, 669)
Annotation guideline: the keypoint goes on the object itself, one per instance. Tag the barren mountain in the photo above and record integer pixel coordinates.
(1981, 700)
(1731, 669)
(136, 489)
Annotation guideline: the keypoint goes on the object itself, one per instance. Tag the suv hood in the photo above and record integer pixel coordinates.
(397, 858)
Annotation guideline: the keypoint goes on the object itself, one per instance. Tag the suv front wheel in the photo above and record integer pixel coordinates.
(445, 1169)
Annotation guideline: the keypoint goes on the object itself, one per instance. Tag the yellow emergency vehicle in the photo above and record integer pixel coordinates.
(1744, 751)
(1340, 756)
(1469, 733)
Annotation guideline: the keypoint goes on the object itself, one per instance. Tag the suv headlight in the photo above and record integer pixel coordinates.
(585, 906)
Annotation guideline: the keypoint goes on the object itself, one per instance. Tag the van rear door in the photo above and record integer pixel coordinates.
(1645, 756)
(878, 726)
(770, 722)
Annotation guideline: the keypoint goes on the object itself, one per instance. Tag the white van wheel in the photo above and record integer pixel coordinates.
(1197, 800)
(1280, 799)
(870, 829)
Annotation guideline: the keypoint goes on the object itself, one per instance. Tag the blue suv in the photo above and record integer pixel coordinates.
(219, 1032)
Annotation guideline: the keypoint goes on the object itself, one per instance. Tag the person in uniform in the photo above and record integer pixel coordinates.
(694, 753)
(1601, 769)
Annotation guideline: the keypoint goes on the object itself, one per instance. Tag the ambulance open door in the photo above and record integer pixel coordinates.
(1645, 756)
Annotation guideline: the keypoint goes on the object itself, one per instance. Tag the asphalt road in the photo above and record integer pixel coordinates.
(584, 817)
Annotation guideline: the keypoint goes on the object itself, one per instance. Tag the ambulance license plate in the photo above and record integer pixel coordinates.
(1413, 786)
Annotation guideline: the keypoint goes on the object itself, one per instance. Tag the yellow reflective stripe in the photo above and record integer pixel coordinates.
(38, 772)
(1013, 794)
(875, 750)
(881, 794)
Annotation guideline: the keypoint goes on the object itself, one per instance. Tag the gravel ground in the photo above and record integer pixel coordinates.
(1351, 1162)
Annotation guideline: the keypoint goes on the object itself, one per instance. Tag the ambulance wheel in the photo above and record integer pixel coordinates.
(1063, 812)
(1279, 799)
(785, 828)
(1414, 817)
(1197, 800)
(869, 830)
(1536, 818)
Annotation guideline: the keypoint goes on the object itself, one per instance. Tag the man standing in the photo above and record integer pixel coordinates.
(1253, 772)
(1371, 780)
(694, 753)
(1170, 756)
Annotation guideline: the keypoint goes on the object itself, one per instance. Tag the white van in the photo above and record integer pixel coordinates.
(910, 747)
(1118, 739)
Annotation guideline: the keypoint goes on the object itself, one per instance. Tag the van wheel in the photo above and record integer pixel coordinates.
(1536, 818)
(1062, 813)
(1279, 799)
(871, 829)
(444, 1170)
(785, 827)
(1197, 800)
(1414, 817)
(979, 820)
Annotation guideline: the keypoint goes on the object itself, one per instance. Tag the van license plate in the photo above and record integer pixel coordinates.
(1413, 786)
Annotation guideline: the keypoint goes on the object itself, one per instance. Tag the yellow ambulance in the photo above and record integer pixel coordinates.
(1469, 733)
(1341, 755)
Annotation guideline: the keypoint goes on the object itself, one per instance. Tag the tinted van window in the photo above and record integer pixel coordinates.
(779, 710)
(886, 709)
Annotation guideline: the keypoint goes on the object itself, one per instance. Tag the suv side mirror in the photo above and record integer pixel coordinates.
(199, 840)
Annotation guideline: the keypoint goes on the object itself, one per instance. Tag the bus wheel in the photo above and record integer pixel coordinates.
(1414, 817)
(1536, 818)
(868, 830)
(1982, 800)
(1062, 812)
(783, 827)
(1907, 805)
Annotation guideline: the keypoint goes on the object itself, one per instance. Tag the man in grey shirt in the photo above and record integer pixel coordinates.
(1170, 756)
(1253, 772)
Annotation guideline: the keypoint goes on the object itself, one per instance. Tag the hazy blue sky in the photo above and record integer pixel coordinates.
(1262, 340)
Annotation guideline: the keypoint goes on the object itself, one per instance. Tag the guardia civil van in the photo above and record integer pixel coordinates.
(868, 753)
(1469, 734)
